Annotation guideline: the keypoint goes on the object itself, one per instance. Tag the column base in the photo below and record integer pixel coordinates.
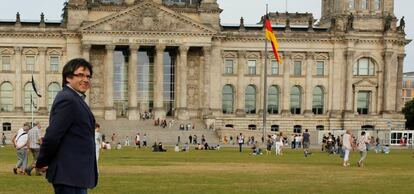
(240, 113)
(133, 114)
(205, 112)
(335, 113)
(18, 109)
(285, 112)
(159, 113)
(182, 114)
(42, 111)
(110, 114)
(308, 113)
(348, 114)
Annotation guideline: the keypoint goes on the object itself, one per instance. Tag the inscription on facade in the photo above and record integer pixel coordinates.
(145, 41)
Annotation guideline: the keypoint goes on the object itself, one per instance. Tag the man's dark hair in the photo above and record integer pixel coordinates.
(363, 133)
(71, 66)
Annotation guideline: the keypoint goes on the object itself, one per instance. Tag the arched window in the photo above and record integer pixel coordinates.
(227, 99)
(30, 98)
(229, 126)
(274, 128)
(273, 100)
(250, 100)
(317, 104)
(52, 91)
(297, 129)
(367, 128)
(295, 100)
(6, 97)
(6, 126)
(320, 128)
(252, 127)
(364, 66)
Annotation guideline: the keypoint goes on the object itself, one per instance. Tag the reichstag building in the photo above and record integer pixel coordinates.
(173, 58)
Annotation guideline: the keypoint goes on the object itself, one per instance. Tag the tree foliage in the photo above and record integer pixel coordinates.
(408, 111)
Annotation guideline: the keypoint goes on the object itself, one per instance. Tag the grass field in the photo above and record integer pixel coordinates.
(227, 171)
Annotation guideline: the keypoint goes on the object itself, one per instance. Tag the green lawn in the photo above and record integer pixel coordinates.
(228, 171)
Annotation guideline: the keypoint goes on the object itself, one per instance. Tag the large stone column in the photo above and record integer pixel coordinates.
(110, 113)
(18, 83)
(216, 85)
(242, 63)
(205, 102)
(286, 85)
(182, 83)
(310, 63)
(42, 81)
(390, 81)
(159, 111)
(133, 113)
(348, 83)
(86, 55)
(398, 96)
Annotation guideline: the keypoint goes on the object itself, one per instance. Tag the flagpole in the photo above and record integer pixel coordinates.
(265, 84)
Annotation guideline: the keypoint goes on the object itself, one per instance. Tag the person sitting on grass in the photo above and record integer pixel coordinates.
(185, 148)
(160, 148)
(386, 149)
(256, 149)
(155, 147)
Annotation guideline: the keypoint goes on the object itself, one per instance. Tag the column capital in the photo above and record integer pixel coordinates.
(42, 50)
(110, 47)
(287, 54)
(242, 53)
(388, 54)
(86, 47)
(134, 47)
(184, 49)
(402, 56)
(160, 47)
(310, 55)
(206, 50)
(349, 53)
(18, 49)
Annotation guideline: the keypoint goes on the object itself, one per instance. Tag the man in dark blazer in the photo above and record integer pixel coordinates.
(67, 152)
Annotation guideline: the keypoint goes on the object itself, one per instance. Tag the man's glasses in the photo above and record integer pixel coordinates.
(81, 75)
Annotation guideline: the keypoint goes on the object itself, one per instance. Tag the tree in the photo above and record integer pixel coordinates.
(408, 111)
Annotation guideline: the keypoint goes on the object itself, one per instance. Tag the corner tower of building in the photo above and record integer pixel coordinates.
(364, 14)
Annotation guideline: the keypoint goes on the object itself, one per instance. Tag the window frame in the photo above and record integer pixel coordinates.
(320, 68)
(4, 66)
(363, 110)
(251, 69)
(52, 66)
(228, 67)
(30, 67)
(297, 68)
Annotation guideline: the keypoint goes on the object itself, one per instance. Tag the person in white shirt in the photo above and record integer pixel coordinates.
(34, 141)
(20, 142)
(98, 141)
(348, 144)
(362, 147)
(137, 141)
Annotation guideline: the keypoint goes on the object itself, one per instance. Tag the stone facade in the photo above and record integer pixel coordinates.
(349, 53)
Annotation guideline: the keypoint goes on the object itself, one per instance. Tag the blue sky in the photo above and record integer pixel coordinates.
(250, 10)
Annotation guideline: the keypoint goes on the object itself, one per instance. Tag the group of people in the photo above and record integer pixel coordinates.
(27, 141)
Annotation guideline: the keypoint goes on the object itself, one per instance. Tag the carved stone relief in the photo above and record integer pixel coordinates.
(146, 18)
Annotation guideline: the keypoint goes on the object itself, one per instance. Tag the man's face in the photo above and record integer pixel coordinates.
(80, 80)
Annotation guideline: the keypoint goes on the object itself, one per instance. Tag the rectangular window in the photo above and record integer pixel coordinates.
(377, 4)
(364, 4)
(351, 4)
(54, 63)
(363, 102)
(408, 92)
(228, 66)
(297, 68)
(320, 68)
(6, 63)
(275, 67)
(251, 67)
(30, 63)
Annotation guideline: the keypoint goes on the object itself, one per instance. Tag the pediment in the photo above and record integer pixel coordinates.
(148, 17)
(365, 83)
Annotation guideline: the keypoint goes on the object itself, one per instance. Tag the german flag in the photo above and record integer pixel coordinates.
(271, 36)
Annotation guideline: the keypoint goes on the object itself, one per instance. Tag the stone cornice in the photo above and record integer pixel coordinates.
(133, 33)
(31, 35)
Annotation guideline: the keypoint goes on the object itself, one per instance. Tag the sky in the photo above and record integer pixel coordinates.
(250, 10)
